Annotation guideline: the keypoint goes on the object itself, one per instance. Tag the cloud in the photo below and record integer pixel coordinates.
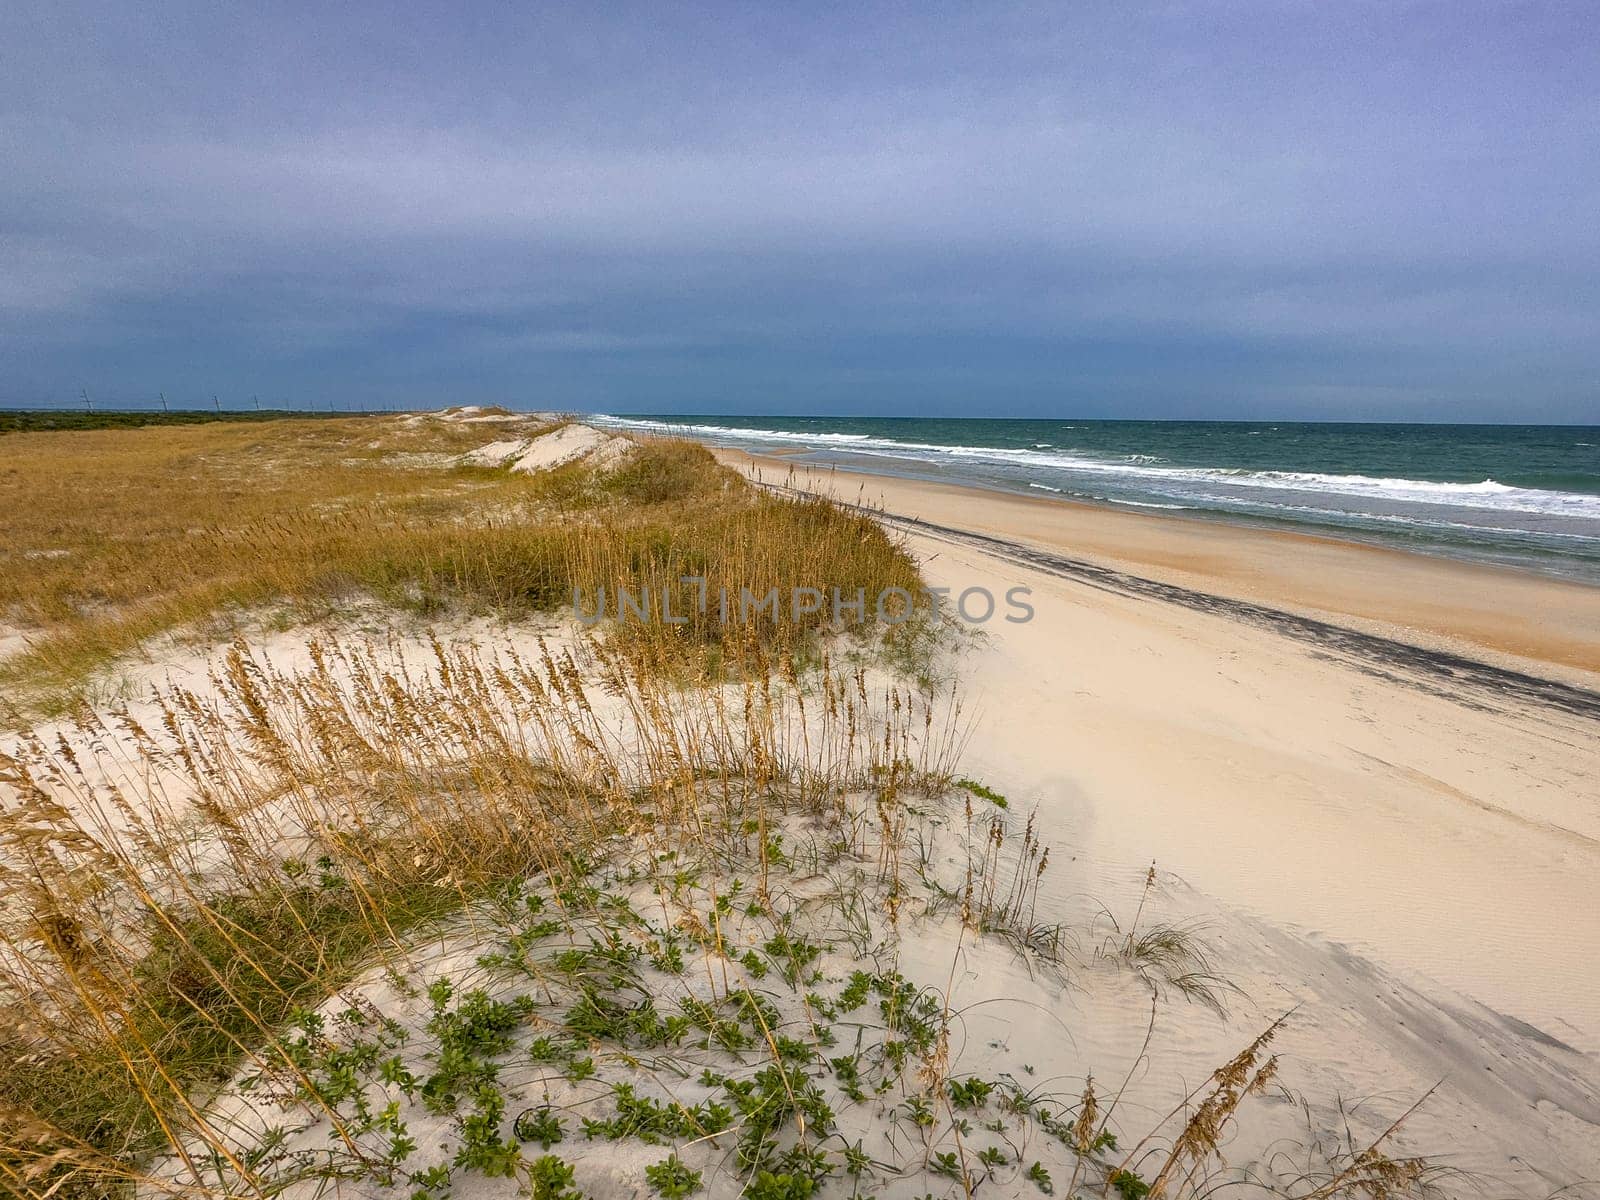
(1292, 198)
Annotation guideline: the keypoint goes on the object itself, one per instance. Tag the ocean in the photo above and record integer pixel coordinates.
(1520, 495)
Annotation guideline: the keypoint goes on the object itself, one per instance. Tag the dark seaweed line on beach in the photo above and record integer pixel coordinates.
(1436, 671)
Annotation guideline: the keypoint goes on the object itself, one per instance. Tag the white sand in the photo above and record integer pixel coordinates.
(495, 454)
(473, 414)
(1454, 835)
(568, 444)
(548, 451)
(1238, 761)
(1442, 838)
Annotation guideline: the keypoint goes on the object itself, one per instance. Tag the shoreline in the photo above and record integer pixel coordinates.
(1516, 620)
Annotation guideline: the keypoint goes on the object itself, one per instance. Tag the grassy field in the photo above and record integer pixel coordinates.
(47, 420)
(118, 535)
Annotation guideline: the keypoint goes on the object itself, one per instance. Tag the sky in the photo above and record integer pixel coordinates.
(1230, 209)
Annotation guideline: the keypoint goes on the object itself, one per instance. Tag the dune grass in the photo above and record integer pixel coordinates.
(119, 536)
(144, 957)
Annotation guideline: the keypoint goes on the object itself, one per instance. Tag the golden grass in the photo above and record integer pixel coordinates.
(148, 949)
(113, 537)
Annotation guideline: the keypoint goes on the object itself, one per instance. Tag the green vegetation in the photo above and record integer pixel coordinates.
(982, 792)
(42, 420)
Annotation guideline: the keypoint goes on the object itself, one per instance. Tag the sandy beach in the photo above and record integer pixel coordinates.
(1391, 758)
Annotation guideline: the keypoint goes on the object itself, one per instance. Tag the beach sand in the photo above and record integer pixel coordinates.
(1387, 756)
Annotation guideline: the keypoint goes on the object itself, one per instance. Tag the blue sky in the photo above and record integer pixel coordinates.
(1229, 209)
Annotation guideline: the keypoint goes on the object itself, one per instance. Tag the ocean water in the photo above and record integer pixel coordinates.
(1520, 495)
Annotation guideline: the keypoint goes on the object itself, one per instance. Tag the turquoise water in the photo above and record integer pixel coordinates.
(1520, 495)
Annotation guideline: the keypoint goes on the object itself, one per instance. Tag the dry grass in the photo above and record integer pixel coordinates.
(149, 947)
(113, 537)
(200, 895)
(647, 882)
